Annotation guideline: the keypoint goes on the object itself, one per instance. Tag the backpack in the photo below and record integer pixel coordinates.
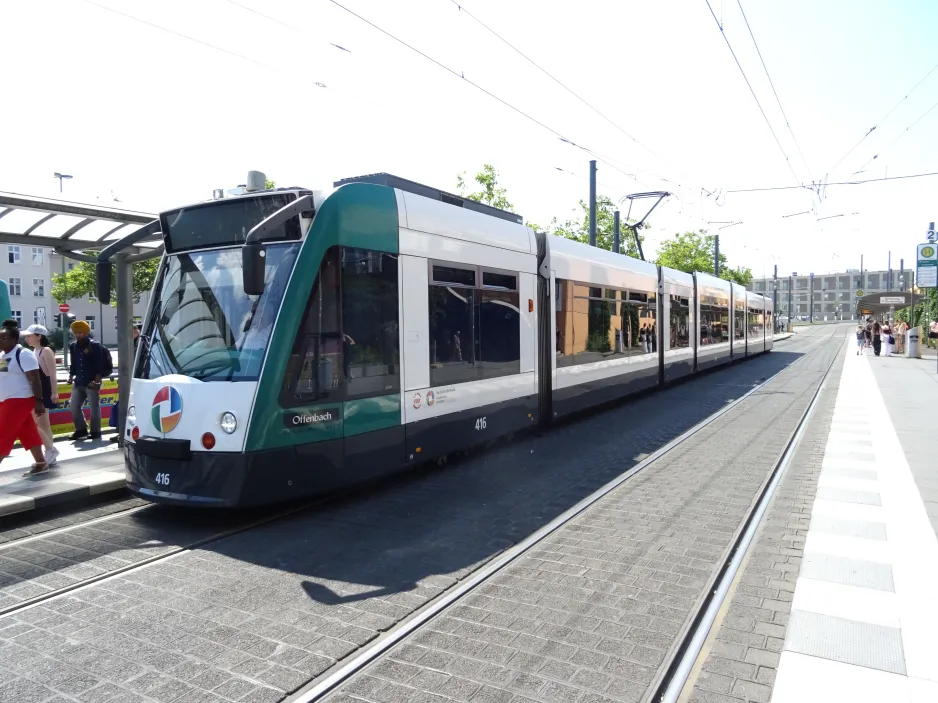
(107, 363)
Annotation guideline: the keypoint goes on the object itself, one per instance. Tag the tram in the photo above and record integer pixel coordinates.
(302, 341)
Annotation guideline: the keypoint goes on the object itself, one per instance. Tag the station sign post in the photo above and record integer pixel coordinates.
(926, 269)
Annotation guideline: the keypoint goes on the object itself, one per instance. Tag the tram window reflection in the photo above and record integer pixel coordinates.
(680, 322)
(475, 333)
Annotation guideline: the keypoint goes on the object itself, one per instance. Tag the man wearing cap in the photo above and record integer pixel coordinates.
(85, 373)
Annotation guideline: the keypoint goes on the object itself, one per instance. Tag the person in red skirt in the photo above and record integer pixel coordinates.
(20, 396)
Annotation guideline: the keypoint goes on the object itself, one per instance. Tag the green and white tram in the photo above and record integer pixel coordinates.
(301, 341)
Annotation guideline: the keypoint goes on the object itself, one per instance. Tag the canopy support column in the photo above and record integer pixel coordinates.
(125, 347)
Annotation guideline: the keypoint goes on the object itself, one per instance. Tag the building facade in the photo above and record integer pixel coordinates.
(833, 296)
(28, 271)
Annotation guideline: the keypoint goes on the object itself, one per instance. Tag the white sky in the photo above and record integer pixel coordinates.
(161, 120)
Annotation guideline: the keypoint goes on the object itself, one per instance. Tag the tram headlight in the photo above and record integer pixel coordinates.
(132, 414)
(228, 422)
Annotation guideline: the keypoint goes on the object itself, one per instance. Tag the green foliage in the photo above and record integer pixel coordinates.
(491, 194)
(269, 184)
(577, 228)
(693, 251)
(923, 312)
(80, 281)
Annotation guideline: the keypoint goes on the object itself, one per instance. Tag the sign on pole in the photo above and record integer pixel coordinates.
(926, 272)
(64, 307)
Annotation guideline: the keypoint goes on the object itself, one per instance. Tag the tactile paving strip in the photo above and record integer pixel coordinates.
(862, 474)
(847, 641)
(864, 529)
(846, 495)
(850, 572)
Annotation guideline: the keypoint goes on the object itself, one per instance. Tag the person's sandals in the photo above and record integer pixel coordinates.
(39, 468)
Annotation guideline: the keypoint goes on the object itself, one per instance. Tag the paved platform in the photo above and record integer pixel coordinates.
(85, 469)
(837, 600)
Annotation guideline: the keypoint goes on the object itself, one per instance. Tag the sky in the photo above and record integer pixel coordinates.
(158, 103)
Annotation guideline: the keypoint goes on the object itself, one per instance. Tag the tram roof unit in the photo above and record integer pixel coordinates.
(576, 261)
(711, 284)
(673, 277)
(402, 184)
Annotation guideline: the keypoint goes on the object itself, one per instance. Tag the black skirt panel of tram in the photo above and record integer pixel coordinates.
(708, 362)
(445, 434)
(605, 390)
(228, 479)
(678, 369)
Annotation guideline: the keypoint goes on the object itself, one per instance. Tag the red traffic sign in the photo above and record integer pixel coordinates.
(64, 307)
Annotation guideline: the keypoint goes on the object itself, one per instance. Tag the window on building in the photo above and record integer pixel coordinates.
(39, 288)
(680, 322)
(18, 316)
(475, 324)
(37, 256)
(71, 265)
(39, 316)
(90, 319)
(347, 345)
(15, 286)
(13, 254)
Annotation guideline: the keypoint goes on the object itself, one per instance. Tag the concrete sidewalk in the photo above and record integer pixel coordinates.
(85, 469)
(864, 610)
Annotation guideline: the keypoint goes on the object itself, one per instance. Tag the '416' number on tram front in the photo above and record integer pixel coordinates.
(162, 479)
(480, 423)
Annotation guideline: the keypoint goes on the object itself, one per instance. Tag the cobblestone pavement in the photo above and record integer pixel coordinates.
(741, 655)
(255, 616)
(591, 613)
(19, 526)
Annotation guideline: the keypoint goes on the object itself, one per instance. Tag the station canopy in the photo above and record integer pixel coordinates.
(69, 227)
(878, 304)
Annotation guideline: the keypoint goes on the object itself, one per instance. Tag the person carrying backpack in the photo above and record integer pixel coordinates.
(90, 363)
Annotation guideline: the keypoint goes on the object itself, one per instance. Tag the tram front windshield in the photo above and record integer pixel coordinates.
(204, 325)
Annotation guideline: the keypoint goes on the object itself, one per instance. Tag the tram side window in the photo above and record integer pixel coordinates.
(315, 370)
(347, 345)
(739, 329)
(475, 324)
(589, 324)
(371, 351)
(639, 323)
(714, 321)
(680, 322)
(755, 323)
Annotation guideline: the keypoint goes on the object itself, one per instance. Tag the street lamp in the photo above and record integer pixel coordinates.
(61, 177)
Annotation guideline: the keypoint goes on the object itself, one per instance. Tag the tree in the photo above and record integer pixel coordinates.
(577, 229)
(80, 281)
(269, 184)
(693, 251)
(491, 194)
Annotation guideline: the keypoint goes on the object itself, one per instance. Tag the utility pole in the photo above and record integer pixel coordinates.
(889, 272)
(862, 283)
(615, 232)
(789, 300)
(811, 300)
(716, 255)
(593, 203)
(775, 296)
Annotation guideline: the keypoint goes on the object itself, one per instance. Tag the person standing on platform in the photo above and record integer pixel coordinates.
(20, 397)
(84, 375)
(36, 338)
(861, 339)
(877, 338)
